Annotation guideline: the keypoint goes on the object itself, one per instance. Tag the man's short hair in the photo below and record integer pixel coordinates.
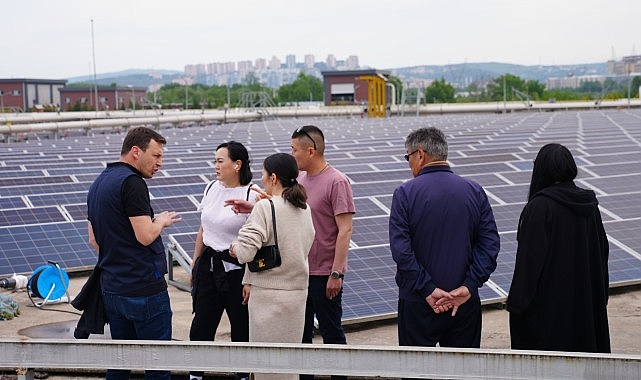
(312, 135)
(430, 140)
(140, 137)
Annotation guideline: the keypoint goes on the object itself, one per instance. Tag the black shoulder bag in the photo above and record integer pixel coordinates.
(268, 256)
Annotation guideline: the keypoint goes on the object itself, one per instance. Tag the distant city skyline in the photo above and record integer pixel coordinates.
(261, 63)
(272, 72)
(43, 40)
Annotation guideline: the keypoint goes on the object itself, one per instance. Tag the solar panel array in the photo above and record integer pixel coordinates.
(43, 186)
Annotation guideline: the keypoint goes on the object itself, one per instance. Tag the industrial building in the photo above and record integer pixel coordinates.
(109, 98)
(21, 94)
(364, 87)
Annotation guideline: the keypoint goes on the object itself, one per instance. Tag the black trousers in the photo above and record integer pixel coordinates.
(419, 325)
(215, 292)
(329, 314)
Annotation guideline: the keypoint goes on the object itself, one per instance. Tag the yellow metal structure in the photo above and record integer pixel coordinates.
(376, 95)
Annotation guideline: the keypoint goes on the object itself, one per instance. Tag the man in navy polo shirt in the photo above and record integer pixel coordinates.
(444, 241)
(126, 234)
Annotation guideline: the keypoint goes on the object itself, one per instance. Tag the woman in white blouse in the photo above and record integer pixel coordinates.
(217, 277)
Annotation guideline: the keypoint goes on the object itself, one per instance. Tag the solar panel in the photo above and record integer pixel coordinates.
(370, 289)
(11, 202)
(43, 189)
(22, 181)
(6, 173)
(627, 183)
(502, 276)
(58, 198)
(623, 267)
(179, 204)
(380, 176)
(77, 212)
(88, 178)
(190, 223)
(186, 241)
(179, 180)
(203, 163)
(371, 231)
(621, 206)
(25, 216)
(187, 171)
(370, 207)
(43, 186)
(626, 234)
(508, 193)
(505, 215)
(364, 189)
(168, 191)
(24, 248)
(83, 174)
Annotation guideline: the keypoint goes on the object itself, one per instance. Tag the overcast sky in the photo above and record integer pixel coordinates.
(52, 39)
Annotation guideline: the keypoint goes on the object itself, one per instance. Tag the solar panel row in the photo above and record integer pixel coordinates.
(43, 185)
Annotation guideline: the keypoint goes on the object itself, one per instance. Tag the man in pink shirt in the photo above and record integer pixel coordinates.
(329, 195)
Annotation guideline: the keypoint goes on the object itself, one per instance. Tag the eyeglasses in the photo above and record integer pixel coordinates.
(302, 131)
(407, 156)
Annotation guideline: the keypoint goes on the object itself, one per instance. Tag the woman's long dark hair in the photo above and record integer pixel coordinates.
(286, 170)
(554, 163)
(237, 151)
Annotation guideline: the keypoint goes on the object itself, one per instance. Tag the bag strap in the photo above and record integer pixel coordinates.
(209, 186)
(274, 223)
(212, 182)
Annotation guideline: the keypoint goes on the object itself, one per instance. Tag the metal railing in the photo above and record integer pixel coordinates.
(350, 360)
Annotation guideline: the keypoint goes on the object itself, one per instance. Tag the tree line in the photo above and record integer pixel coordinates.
(513, 88)
(307, 88)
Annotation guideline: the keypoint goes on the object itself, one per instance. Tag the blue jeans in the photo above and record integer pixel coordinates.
(329, 313)
(138, 318)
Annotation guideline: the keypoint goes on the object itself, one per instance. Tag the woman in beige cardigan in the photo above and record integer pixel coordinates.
(278, 294)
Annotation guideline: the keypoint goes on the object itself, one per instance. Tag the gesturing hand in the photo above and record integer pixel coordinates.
(239, 206)
(167, 218)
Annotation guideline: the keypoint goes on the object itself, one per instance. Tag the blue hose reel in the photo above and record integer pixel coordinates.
(50, 283)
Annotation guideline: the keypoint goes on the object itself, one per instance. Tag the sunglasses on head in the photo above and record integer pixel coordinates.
(301, 131)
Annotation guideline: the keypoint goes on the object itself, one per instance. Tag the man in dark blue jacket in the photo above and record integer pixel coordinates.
(444, 241)
(126, 234)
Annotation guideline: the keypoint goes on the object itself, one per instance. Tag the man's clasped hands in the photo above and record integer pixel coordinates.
(441, 301)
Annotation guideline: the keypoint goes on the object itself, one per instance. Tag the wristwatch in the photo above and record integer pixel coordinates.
(336, 274)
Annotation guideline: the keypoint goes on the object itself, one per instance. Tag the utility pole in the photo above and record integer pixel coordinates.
(95, 80)
(186, 97)
(504, 95)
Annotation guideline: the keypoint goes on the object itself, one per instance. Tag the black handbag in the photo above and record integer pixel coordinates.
(267, 257)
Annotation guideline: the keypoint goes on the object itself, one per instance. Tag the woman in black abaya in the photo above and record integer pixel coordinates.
(559, 292)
